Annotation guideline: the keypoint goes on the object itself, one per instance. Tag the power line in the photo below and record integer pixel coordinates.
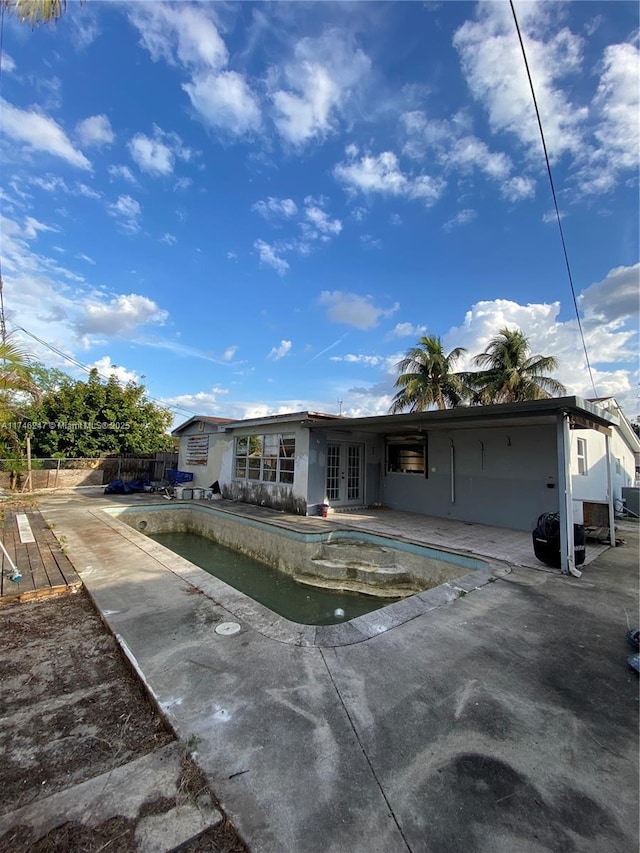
(553, 193)
(69, 358)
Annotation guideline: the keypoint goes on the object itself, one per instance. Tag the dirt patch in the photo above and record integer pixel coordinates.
(73, 709)
(70, 705)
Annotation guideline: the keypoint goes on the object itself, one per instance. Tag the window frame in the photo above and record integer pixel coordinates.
(273, 458)
(581, 456)
(395, 448)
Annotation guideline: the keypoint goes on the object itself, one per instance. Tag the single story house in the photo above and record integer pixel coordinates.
(501, 465)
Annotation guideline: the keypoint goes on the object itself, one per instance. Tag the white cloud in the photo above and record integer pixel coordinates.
(54, 183)
(127, 211)
(616, 297)
(492, 64)
(616, 106)
(84, 190)
(225, 101)
(372, 174)
(407, 330)
(276, 206)
(60, 306)
(40, 133)
(607, 343)
(156, 155)
(618, 99)
(366, 360)
(269, 256)
(95, 130)
(169, 239)
(280, 351)
(469, 152)
(105, 367)
(370, 242)
(352, 309)
(455, 149)
(33, 226)
(518, 187)
(123, 172)
(316, 86)
(180, 35)
(202, 402)
(7, 64)
(187, 36)
(229, 353)
(121, 316)
(318, 224)
(463, 217)
(382, 174)
(551, 217)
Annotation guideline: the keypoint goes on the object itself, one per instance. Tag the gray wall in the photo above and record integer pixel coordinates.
(508, 488)
(372, 470)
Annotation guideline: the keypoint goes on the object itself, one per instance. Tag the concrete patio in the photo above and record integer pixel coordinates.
(511, 546)
(505, 719)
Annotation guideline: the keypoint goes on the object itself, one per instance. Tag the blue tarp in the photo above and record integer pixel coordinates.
(119, 487)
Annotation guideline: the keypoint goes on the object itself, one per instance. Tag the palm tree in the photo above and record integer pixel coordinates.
(35, 11)
(427, 379)
(510, 374)
(17, 387)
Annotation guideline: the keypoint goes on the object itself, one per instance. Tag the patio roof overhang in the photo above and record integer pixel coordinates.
(582, 415)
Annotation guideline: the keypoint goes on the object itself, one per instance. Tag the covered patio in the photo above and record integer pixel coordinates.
(510, 546)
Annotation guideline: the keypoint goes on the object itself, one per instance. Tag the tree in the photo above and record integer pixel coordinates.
(427, 378)
(17, 390)
(510, 374)
(93, 418)
(35, 12)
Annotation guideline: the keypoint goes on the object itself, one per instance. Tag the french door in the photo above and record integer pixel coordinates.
(344, 473)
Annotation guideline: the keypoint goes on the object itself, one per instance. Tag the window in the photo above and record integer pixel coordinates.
(265, 458)
(581, 453)
(407, 458)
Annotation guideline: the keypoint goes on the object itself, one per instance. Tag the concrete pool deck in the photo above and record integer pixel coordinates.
(503, 720)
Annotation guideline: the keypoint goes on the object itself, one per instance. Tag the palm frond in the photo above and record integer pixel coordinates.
(36, 12)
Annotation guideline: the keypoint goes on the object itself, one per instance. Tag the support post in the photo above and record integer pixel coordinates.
(452, 463)
(565, 497)
(612, 520)
(28, 486)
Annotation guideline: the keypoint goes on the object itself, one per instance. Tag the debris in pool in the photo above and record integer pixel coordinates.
(227, 628)
(339, 612)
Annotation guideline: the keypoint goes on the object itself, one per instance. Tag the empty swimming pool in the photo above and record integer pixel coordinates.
(280, 592)
(306, 575)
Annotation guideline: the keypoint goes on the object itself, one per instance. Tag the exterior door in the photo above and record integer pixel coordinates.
(344, 474)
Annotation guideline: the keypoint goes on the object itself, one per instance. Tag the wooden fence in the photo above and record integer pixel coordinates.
(63, 473)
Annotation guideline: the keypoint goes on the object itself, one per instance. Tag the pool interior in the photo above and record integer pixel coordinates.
(269, 586)
(308, 577)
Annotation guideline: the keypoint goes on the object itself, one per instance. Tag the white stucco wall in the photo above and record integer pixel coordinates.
(292, 497)
(592, 486)
(205, 475)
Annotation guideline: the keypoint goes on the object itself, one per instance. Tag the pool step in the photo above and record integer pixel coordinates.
(361, 572)
(358, 552)
(347, 585)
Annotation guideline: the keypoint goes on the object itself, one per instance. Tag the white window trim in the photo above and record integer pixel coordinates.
(581, 456)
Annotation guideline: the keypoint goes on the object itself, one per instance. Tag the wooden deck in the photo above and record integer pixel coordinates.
(45, 569)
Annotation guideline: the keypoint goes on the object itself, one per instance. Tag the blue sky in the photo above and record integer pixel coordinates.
(259, 207)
